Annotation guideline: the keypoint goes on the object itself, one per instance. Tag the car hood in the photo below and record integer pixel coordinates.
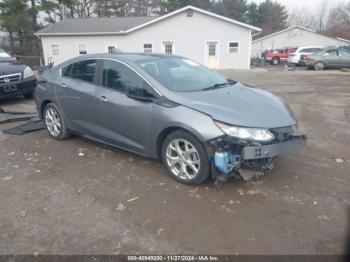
(7, 68)
(240, 105)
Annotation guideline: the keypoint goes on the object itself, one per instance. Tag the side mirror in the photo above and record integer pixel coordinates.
(139, 94)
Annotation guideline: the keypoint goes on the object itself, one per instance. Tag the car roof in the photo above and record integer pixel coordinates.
(125, 57)
(134, 57)
(304, 47)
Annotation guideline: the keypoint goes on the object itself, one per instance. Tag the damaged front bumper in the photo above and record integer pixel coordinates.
(232, 157)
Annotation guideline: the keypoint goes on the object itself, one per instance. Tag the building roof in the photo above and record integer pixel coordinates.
(299, 27)
(121, 25)
(94, 25)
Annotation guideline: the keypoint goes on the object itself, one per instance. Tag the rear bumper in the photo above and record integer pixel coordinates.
(269, 151)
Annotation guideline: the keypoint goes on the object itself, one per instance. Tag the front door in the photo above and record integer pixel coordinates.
(212, 55)
(123, 121)
(345, 57)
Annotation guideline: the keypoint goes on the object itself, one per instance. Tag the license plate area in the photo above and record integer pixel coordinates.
(268, 151)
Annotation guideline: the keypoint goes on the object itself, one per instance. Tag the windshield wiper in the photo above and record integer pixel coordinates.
(216, 86)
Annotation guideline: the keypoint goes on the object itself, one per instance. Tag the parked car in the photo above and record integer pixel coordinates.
(274, 57)
(329, 58)
(199, 123)
(15, 78)
(295, 56)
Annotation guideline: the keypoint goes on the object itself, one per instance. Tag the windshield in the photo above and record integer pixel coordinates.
(182, 75)
(4, 57)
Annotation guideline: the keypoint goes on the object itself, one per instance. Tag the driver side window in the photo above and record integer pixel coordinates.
(119, 77)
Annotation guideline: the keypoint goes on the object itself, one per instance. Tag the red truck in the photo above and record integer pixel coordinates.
(274, 57)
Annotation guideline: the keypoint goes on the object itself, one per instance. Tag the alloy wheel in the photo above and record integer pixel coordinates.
(53, 122)
(183, 159)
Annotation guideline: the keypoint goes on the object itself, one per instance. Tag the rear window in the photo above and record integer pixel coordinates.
(84, 70)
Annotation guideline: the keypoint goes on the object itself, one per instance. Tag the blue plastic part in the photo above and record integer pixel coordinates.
(224, 162)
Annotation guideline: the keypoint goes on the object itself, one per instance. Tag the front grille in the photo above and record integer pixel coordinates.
(8, 80)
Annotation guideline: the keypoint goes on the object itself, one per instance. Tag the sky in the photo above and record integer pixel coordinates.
(291, 4)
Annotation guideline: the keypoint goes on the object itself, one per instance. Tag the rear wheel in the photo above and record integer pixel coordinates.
(319, 66)
(54, 122)
(275, 61)
(185, 158)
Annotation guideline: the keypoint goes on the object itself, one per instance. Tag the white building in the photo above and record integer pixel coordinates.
(294, 37)
(205, 37)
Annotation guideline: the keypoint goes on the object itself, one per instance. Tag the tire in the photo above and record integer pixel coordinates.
(275, 61)
(52, 115)
(28, 95)
(319, 66)
(190, 167)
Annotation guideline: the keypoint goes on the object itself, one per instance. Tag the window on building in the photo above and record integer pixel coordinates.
(233, 47)
(119, 77)
(110, 48)
(84, 70)
(55, 49)
(82, 49)
(147, 48)
(168, 48)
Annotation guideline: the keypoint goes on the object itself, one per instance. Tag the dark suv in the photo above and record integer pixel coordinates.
(15, 78)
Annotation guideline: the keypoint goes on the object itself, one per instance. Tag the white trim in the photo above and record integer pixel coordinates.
(228, 47)
(300, 27)
(198, 10)
(160, 19)
(206, 52)
(343, 39)
(250, 50)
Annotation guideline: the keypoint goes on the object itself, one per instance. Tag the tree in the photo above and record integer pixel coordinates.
(235, 9)
(15, 19)
(253, 14)
(272, 16)
(172, 5)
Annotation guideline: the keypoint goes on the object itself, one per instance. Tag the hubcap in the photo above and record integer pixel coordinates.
(53, 122)
(183, 159)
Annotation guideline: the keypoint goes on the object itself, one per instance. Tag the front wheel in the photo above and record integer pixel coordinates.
(185, 158)
(54, 122)
(319, 66)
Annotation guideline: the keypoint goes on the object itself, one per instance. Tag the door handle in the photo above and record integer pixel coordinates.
(103, 99)
(63, 85)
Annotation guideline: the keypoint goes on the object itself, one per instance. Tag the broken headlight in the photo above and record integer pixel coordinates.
(256, 134)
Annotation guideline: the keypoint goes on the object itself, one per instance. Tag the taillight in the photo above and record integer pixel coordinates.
(291, 55)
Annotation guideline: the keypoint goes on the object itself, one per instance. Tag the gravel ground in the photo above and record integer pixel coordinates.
(79, 197)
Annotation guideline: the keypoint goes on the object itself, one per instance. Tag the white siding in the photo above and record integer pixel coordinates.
(189, 35)
(293, 38)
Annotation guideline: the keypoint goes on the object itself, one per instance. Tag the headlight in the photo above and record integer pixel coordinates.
(257, 134)
(27, 72)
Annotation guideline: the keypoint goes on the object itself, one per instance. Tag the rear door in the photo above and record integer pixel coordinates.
(123, 121)
(76, 95)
